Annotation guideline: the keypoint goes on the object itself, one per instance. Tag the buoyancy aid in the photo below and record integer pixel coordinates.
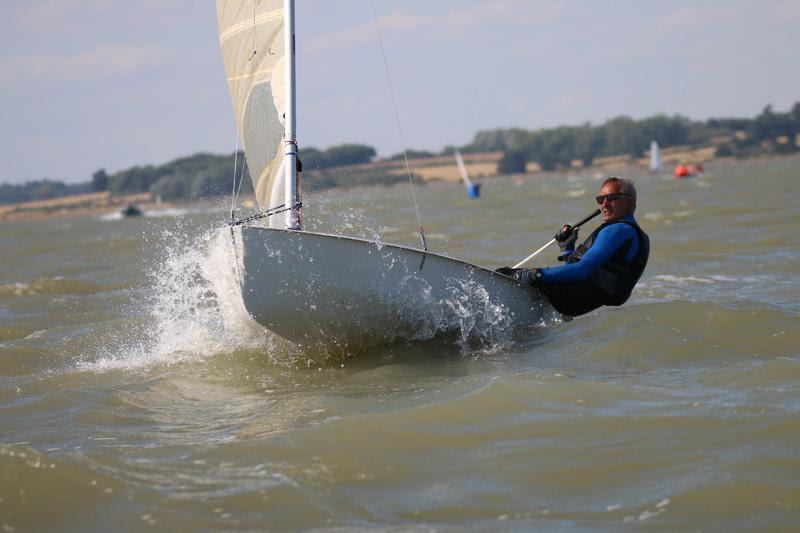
(616, 277)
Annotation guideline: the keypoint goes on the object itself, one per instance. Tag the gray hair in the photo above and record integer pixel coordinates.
(625, 184)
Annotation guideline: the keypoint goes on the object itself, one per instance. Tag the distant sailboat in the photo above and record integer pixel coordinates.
(473, 190)
(322, 288)
(655, 157)
(131, 210)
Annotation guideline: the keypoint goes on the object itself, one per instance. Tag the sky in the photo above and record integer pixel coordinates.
(90, 84)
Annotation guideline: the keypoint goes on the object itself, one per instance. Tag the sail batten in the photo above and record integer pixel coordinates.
(251, 35)
(251, 75)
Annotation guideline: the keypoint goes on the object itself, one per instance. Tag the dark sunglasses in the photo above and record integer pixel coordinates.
(613, 197)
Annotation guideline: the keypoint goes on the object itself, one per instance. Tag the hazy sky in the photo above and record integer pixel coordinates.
(89, 84)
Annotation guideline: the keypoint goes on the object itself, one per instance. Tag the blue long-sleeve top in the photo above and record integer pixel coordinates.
(607, 242)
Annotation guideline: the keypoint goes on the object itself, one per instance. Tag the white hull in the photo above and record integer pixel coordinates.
(311, 287)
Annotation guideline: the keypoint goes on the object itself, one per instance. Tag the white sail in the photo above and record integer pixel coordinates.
(463, 169)
(251, 36)
(655, 156)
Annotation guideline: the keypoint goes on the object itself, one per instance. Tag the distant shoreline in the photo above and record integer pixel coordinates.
(102, 203)
(79, 205)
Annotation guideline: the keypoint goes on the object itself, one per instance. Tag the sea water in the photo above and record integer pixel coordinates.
(136, 394)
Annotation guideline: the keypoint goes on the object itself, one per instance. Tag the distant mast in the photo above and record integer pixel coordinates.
(655, 157)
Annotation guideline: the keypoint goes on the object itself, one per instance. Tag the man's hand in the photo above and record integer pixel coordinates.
(528, 276)
(566, 239)
(523, 275)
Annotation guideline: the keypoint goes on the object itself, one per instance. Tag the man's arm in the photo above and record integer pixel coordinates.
(608, 241)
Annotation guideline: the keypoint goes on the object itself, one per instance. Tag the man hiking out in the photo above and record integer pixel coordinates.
(605, 268)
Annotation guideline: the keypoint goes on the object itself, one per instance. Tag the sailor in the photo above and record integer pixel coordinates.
(605, 268)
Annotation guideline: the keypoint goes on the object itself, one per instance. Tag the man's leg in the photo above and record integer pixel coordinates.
(573, 299)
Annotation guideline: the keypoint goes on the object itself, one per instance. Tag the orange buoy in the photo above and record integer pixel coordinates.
(681, 171)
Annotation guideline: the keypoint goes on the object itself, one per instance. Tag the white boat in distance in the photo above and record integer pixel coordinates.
(655, 157)
(317, 288)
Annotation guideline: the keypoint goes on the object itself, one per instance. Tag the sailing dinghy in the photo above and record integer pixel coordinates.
(655, 157)
(312, 287)
(473, 189)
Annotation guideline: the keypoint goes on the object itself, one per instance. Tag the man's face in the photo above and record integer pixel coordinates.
(620, 207)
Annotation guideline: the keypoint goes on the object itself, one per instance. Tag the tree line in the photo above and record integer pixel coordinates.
(39, 190)
(189, 178)
(208, 175)
(553, 148)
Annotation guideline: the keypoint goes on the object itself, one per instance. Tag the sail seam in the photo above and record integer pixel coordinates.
(251, 74)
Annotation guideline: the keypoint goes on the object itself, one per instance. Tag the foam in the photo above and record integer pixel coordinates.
(191, 311)
(194, 310)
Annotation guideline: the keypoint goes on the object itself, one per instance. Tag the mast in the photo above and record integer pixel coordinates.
(290, 134)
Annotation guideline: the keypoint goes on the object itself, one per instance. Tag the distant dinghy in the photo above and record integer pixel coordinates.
(655, 157)
(473, 189)
(131, 210)
(322, 288)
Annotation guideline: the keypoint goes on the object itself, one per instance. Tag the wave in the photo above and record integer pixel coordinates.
(758, 290)
(54, 286)
(674, 334)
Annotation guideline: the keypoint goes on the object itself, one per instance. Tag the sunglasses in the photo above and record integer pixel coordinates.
(613, 197)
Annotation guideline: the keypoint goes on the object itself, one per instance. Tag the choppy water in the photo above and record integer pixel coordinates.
(131, 397)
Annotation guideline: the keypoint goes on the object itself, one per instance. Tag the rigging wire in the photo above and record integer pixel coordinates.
(264, 214)
(234, 194)
(399, 128)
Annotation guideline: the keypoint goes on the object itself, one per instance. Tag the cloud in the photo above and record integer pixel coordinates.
(37, 16)
(50, 11)
(102, 62)
(572, 100)
(504, 11)
(492, 12)
(788, 10)
(365, 31)
(697, 17)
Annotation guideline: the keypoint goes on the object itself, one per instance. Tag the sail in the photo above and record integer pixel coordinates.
(463, 169)
(251, 38)
(655, 156)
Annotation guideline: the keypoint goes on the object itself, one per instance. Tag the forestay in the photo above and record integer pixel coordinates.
(251, 35)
